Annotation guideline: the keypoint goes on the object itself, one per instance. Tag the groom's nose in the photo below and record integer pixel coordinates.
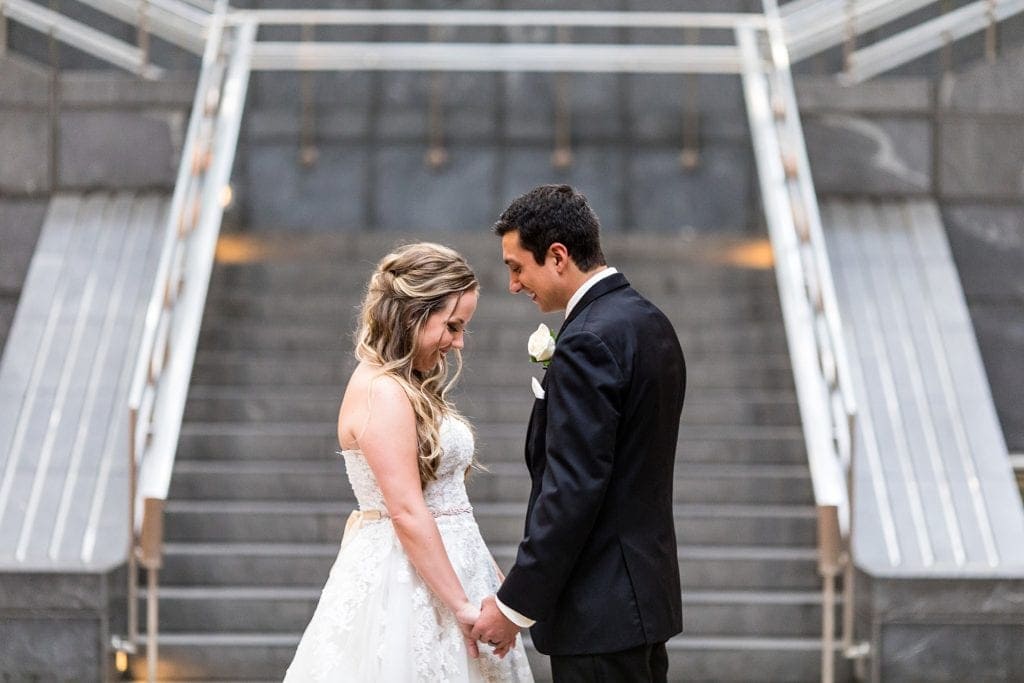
(514, 287)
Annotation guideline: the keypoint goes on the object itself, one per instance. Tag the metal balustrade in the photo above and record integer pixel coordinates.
(77, 34)
(931, 35)
(171, 333)
(813, 326)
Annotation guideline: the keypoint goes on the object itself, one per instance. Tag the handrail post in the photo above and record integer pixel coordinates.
(133, 567)
(150, 551)
(308, 153)
(142, 35)
(849, 32)
(152, 624)
(561, 158)
(991, 36)
(689, 156)
(3, 30)
(830, 559)
(437, 155)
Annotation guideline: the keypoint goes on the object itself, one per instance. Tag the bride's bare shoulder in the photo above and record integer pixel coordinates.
(371, 384)
(369, 389)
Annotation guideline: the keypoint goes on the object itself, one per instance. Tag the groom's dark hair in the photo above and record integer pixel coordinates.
(555, 213)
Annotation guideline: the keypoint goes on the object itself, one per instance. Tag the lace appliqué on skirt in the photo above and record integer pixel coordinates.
(377, 621)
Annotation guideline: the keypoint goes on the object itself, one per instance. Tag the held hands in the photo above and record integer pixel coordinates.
(467, 615)
(494, 628)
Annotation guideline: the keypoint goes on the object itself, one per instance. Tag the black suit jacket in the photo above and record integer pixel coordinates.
(597, 567)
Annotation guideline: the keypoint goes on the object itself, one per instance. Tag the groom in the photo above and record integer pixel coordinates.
(596, 575)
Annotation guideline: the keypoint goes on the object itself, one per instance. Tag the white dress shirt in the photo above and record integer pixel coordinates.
(521, 620)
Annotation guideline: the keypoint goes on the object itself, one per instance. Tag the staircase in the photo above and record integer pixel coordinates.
(259, 499)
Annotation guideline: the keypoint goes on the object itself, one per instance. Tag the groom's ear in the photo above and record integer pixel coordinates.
(559, 255)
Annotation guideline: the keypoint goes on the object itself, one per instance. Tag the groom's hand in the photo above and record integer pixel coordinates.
(494, 628)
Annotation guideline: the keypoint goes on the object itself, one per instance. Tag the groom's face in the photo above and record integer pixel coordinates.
(540, 282)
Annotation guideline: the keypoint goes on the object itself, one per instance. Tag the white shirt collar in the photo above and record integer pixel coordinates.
(585, 287)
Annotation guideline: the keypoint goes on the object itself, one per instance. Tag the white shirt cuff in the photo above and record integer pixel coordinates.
(514, 616)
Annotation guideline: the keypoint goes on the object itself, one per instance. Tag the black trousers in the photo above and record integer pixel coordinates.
(644, 664)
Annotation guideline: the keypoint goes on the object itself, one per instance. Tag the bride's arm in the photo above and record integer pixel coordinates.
(390, 447)
(501, 574)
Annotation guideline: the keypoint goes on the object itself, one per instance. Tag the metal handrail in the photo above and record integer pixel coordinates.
(174, 21)
(813, 325)
(926, 37)
(152, 349)
(85, 38)
(171, 328)
(835, 539)
(500, 18)
(534, 57)
(825, 24)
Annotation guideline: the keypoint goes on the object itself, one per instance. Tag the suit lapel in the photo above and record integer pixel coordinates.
(537, 422)
(609, 284)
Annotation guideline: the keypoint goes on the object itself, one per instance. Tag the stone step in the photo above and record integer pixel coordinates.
(479, 402)
(339, 309)
(495, 442)
(335, 346)
(323, 522)
(693, 483)
(315, 279)
(510, 367)
(707, 567)
(326, 480)
(367, 246)
(695, 659)
(254, 609)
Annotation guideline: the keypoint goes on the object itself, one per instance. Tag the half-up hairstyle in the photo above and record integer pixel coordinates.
(408, 285)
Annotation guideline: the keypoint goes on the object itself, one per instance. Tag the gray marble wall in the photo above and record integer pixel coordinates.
(942, 630)
(20, 222)
(108, 130)
(56, 627)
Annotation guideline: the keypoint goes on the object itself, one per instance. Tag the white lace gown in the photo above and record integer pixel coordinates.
(377, 621)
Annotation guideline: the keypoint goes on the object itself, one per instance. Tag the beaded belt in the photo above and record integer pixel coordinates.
(359, 517)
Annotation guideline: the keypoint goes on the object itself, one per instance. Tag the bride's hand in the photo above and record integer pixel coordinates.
(467, 615)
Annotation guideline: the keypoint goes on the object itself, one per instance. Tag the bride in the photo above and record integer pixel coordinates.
(405, 589)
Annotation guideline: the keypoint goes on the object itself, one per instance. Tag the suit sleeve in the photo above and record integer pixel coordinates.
(583, 397)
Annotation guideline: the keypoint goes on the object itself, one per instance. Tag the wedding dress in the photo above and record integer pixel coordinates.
(377, 621)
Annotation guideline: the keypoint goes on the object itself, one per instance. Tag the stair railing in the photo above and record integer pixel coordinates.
(813, 325)
(177, 22)
(85, 38)
(812, 26)
(167, 352)
(928, 36)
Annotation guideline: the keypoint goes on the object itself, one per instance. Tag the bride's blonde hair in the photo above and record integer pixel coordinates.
(408, 285)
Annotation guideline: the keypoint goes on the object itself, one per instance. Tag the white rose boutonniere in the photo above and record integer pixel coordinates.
(541, 345)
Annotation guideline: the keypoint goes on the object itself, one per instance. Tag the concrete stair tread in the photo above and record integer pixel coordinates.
(680, 642)
(331, 465)
(498, 429)
(690, 470)
(231, 549)
(480, 508)
(516, 356)
(272, 593)
(334, 392)
(279, 549)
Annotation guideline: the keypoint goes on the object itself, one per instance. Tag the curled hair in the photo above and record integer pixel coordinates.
(409, 285)
(555, 213)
